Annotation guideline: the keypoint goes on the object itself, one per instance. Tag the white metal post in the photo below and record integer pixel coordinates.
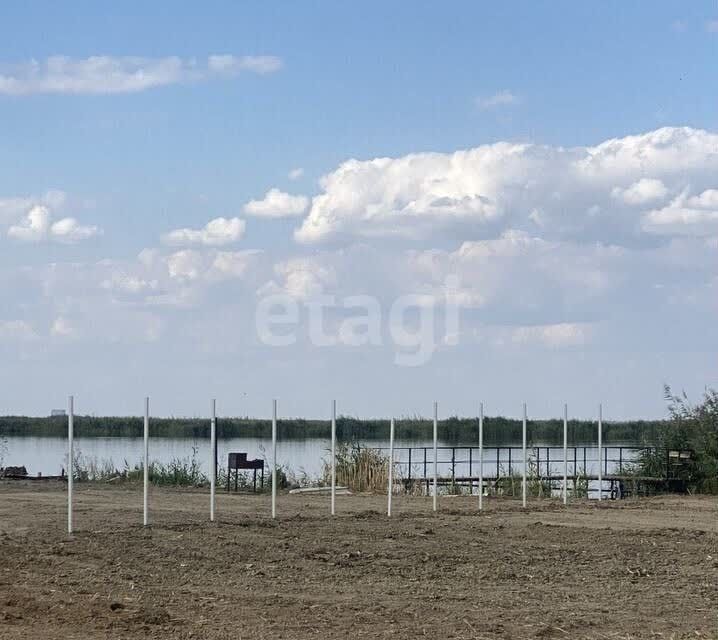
(212, 460)
(565, 454)
(390, 489)
(481, 456)
(146, 474)
(523, 481)
(70, 459)
(600, 431)
(436, 459)
(334, 455)
(274, 458)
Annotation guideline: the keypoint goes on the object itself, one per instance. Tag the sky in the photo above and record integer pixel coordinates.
(383, 203)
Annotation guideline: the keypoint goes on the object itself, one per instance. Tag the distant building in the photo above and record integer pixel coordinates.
(58, 413)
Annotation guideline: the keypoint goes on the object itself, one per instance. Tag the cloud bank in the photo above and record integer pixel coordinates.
(129, 74)
(612, 191)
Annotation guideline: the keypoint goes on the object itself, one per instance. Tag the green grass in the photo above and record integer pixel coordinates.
(178, 472)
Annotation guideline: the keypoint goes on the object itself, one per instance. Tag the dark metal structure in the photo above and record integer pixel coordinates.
(459, 465)
(238, 462)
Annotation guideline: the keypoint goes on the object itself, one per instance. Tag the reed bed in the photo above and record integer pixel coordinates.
(359, 468)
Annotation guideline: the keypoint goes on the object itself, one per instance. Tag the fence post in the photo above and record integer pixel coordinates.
(212, 459)
(565, 454)
(146, 470)
(70, 454)
(600, 429)
(274, 458)
(391, 467)
(481, 456)
(334, 455)
(523, 480)
(436, 460)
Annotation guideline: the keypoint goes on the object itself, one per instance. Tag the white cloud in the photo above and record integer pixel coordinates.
(233, 264)
(582, 192)
(16, 330)
(563, 334)
(129, 284)
(62, 328)
(643, 191)
(216, 233)
(301, 278)
(229, 64)
(685, 215)
(70, 231)
(111, 75)
(34, 227)
(185, 265)
(295, 174)
(501, 99)
(11, 209)
(277, 204)
(37, 225)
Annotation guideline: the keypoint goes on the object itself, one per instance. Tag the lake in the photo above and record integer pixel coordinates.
(48, 455)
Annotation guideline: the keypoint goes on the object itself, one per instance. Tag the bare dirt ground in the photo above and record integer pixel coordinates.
(633, 569)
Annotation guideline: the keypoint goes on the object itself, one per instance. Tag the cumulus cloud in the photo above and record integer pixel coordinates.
(12, 209)
(295, 174)
(501, 99)
(542, 247)
(216, 233)
(277, 204)
(301, 278)
(13, 330)
(130, 74)
(583, 192)
(37, 225)
(34, 227)
(185, 265)
(685, 215)
(644, 191)
(70, 231)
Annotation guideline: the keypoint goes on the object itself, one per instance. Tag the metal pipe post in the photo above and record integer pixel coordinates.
(146, 470)
(212, 459)
(334, 456)
(274, 458)
(70, 458)
(390, 489)
(600, 432)
(481, 456)
(523, 480)
(436, 453)
(565, 454)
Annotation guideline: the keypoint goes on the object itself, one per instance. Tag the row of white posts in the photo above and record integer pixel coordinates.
(213, 468)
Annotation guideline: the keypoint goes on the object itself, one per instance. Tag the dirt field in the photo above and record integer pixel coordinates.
(634, 569)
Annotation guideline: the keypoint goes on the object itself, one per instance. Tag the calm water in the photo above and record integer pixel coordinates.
(49, 455)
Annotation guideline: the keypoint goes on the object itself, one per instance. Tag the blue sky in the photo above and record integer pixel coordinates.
(311, 86)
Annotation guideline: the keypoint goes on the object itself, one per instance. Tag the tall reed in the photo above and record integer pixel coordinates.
(359, 468)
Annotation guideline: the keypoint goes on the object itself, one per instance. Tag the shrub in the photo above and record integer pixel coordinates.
(693, 427)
